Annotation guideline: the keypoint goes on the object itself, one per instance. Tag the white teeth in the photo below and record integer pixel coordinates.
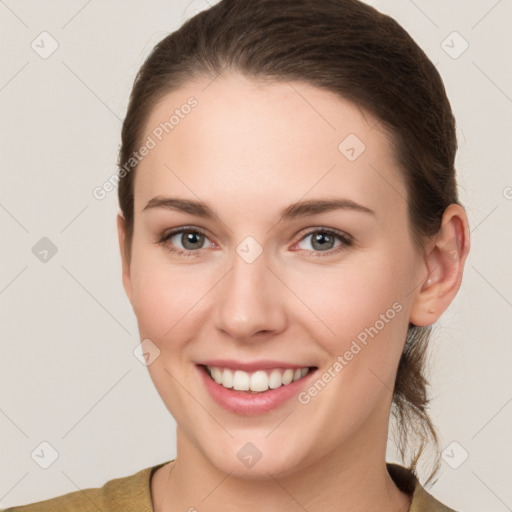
(288, 376)
(275, 380)
(227, 378)
(259, 381)
(241, 381)
(217, 375)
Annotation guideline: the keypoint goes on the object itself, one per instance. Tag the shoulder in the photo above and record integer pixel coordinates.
(421, 500)
(127, 494)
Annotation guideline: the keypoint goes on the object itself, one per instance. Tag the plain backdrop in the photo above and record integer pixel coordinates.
(68, 374)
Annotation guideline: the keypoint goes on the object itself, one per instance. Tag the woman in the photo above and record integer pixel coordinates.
(289, 230)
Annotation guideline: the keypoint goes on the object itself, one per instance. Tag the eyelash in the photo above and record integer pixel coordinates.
(343, 237)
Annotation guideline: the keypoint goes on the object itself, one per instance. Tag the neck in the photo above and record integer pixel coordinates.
(346, 479)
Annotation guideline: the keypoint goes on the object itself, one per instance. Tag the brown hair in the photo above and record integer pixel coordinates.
(351, 49)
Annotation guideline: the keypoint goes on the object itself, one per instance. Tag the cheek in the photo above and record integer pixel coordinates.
(358, 310)
(349, 298)
(167, 304)
(163, 298)
(363, 307)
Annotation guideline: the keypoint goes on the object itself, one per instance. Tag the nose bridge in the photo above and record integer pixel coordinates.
(248, 301)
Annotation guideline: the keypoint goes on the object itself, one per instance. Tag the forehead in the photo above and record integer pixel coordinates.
(234, 136)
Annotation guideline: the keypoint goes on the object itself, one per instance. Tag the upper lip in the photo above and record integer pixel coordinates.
(251, 366)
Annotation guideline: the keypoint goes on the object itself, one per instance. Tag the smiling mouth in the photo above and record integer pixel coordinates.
(259, 381)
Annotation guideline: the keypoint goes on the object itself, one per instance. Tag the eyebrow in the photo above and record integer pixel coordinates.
(293, 211)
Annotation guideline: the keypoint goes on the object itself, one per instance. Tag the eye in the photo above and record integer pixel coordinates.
(323, 240)
(191, 240)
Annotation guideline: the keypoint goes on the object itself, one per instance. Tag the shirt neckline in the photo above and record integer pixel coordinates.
(404, 478)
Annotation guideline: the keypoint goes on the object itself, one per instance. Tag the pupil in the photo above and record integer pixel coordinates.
(189, 238)
(319, 237)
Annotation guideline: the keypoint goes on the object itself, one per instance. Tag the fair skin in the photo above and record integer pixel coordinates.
(249, 150)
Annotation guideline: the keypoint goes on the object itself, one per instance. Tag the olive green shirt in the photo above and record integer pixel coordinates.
(133, 494)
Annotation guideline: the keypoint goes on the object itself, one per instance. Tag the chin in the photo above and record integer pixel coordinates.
(250, 462)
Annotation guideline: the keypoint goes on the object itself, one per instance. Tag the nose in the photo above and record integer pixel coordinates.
(250, 301)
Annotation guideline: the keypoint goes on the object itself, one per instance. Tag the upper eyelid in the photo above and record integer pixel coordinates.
(177, 231)
(345, 238)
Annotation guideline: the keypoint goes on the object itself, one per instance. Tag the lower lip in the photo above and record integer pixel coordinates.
(248, 403)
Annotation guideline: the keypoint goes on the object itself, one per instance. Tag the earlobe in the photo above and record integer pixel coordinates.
(126, 276)
(444, 259)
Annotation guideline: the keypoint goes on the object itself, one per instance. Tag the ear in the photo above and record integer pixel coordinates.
(445, 256)
(125, 260)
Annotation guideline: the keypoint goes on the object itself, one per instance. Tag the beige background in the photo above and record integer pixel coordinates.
(68, 375)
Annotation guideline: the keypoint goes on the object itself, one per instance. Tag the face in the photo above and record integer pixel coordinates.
(253, 283)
